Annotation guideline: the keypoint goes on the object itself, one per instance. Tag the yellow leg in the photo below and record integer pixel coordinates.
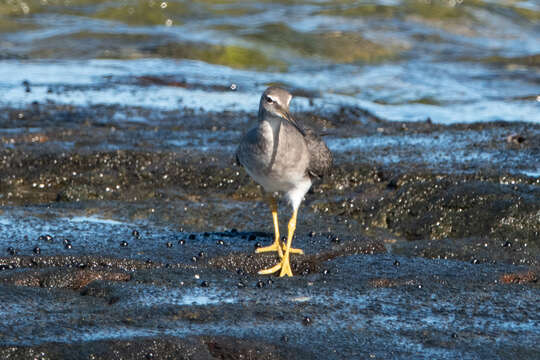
(276, 246)
(284, 264)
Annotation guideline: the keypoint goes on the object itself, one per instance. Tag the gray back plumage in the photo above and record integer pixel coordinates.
(320, 157)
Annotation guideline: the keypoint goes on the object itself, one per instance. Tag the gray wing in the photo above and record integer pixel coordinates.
(320, 157)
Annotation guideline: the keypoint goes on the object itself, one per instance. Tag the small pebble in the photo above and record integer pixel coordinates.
(45, 237)
(335, 239)
(454, 336)
(205, 284)
(396, 263)
(234, 231)
(326, 272)
(252, 237)
(37, 250)
(312, 234)
(241, 284)
(136, 234)
(191, 237)
(68, 246)
(66, 241)
(194, 259)
(240, 271)
(181, 241)
(206, 234)
(507, 244)
(11, 251)
(220, 242)
(475, 261)
(124, 244)
(201, 254)
(169, 244)
(260, 284)
(307, 321)
(257, 245)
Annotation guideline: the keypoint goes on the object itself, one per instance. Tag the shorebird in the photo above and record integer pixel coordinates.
(284, 158)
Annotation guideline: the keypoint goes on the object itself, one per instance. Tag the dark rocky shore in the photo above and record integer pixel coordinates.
(132, 239)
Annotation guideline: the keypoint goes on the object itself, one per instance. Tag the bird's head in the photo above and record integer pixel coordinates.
(275, 101)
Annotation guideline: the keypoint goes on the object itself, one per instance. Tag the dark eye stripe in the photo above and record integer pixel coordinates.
(269, 100)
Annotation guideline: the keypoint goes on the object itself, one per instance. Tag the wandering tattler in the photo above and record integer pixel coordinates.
(283, 157)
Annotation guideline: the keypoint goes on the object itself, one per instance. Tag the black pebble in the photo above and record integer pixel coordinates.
(335, 239)
(240, 271)
(507, 244)
(45, 238)
(169, 244)
(66, 241)
(305, 271)
(206, 234)
(234, 231)
(270, 281)
(454, 336)
(205, 284)
(26, 85)
(241, 284)
(260, 284)
(257, 245)
(312, 234)
(11, 251)
(136, 234)
(194, 259)
(149, 261)
(37, 250)
(191, 237)
(252, 237)
(181, 241)
(396, 263)
(124, 244)
(307, 321)
(201, 254)
(285, 338)
(68, 246)
(220, 242)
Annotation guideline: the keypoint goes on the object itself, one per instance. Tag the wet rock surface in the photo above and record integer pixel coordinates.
(146, 234)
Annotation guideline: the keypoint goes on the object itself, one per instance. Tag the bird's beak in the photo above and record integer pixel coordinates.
(287, 116)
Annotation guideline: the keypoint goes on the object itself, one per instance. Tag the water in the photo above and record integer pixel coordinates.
(447, 60)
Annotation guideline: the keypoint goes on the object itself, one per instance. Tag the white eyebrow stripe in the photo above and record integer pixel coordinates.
(273, 98)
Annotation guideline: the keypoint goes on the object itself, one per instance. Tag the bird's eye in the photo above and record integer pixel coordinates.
(269, 100)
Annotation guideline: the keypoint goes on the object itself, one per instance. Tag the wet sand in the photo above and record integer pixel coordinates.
(423, 243)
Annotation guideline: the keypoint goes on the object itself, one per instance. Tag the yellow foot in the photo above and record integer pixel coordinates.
(274, 247)
(293, 250)
(284, 265)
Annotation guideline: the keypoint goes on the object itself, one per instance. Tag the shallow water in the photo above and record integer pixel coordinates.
(450, 61)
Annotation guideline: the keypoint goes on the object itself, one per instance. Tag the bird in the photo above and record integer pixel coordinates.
(285, 158)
